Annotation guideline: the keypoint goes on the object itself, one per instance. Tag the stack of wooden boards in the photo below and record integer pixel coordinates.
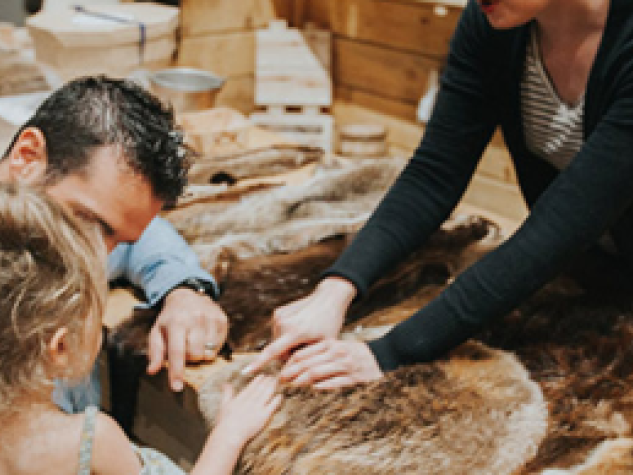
(292, 87)
(219, 36)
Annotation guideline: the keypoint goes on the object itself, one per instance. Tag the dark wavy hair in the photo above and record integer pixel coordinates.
(92, 112)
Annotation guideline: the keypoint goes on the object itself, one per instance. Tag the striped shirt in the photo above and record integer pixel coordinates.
(553, 129)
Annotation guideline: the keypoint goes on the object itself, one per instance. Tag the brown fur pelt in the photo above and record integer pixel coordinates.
(253, 288)
(612, 457)
(477, 413)
(335, 201)
(574, 336)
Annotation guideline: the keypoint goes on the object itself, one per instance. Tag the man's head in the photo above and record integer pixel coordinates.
(107, 149)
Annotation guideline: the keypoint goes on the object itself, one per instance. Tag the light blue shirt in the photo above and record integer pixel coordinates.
(156, 263)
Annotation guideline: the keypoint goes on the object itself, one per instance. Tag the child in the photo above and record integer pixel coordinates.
(52, 296)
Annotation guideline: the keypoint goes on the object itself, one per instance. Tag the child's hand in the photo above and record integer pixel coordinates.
(242, 416)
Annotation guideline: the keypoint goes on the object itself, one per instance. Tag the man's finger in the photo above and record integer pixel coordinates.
(196, 344)
(156, 350)
(274, 350)
(176, 358)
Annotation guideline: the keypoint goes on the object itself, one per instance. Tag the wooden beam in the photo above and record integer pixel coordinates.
(418, 27)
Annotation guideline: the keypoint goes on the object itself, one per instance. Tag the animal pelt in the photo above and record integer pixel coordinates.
(265, 161)
(612, 457)
(574, 336)
(253, 288)
(335, 201)
(476, 413)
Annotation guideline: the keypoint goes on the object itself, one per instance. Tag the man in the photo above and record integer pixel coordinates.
(110, 151)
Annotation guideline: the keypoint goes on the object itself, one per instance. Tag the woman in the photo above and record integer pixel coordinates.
(557, 76)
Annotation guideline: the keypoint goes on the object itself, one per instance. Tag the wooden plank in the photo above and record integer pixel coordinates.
(287, 71)
(503, 199)
(224, 54)
(418, 27)
(405, 110)
(199, 17)
(238, 93)
(320, 42)
(312, 129)
(402, 133)
(383, 71)
(284, 9)
(319, 12)
(496, 163)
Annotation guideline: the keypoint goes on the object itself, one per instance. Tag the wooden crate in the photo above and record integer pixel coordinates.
(200, 17)
(417, 27)
(85, 43)
(225, 54)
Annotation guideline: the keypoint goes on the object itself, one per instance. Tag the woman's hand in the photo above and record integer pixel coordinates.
(242, 416)
(330, 364)
(315, 317)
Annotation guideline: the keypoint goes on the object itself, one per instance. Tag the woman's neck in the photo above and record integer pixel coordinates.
(571, 20)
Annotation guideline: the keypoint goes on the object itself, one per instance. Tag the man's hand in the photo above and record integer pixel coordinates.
(187, 322)
(319, 315)
(331, 364)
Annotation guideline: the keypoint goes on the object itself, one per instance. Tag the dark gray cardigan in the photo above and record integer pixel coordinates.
(569, 211)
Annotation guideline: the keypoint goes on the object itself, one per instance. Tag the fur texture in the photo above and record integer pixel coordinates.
(574, 336)
(417, 420)
(335, 201)
(260, 162)
(612, 457)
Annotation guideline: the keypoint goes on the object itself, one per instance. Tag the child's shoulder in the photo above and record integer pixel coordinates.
(112, 451)
(53, 435)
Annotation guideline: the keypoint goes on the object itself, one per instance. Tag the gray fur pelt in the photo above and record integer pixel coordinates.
(336, 201)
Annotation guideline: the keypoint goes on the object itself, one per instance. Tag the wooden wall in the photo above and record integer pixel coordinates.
(383, 54)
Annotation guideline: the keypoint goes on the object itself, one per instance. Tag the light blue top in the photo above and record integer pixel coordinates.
(152, 461)
(157, 262)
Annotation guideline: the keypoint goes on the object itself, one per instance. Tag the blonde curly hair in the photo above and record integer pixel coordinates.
(52, 275)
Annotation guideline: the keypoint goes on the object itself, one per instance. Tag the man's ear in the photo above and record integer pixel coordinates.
(59, 352)
(27, 160)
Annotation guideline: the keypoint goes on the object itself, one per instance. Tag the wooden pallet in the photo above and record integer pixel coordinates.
(302, 124)
(287, 71)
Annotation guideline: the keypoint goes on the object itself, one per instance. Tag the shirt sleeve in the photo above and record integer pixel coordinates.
(157, 262)
(435, 179)
(584, 200)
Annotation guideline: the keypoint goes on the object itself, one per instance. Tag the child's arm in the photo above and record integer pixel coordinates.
(241, 418)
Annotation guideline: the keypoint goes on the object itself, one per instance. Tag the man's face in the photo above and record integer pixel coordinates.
(108, 193)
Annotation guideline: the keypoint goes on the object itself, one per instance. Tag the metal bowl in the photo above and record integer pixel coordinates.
(186, 89)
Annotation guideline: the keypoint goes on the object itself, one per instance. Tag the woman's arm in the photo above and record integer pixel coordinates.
(576, 209)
